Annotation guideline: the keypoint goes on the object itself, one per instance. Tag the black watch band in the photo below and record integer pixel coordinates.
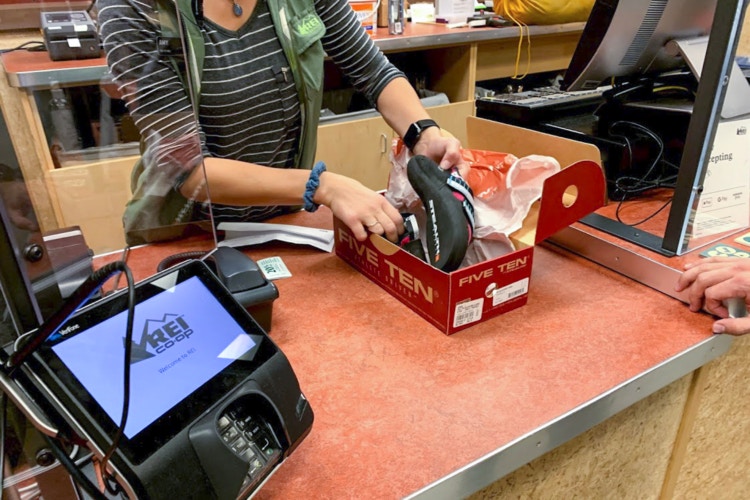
(411, 137)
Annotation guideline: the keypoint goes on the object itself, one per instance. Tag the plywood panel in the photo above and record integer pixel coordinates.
(743, 49)
(505, 58)
(361, 148)
(624, 457)
(93, 196)
(30, 146)
(715, 464)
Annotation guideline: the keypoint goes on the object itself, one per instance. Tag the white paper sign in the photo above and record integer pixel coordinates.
(724, 204)
(450, 9)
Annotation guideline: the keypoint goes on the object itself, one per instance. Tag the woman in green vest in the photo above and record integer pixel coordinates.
(253, 76)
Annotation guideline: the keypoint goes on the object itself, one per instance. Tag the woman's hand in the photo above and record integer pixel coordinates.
(361, 209)
(711, 282)
(442, 148)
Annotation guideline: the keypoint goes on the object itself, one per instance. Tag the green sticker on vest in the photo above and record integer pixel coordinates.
(308, 25)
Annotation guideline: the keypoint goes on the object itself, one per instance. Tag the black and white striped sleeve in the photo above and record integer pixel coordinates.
(351, 48)
(150, 86)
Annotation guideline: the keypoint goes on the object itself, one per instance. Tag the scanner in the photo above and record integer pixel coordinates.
(244, 279)
(215, 406)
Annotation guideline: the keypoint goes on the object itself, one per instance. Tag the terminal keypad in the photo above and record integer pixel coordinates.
(251, 438)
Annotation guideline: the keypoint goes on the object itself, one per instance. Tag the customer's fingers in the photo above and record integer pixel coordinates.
(732, 326)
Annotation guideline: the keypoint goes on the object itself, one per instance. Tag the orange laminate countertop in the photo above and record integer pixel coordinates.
(399, 405)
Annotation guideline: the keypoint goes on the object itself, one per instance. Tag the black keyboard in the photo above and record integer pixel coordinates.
(533, 106)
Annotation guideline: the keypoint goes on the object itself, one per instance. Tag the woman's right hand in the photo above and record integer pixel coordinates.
(360, 208)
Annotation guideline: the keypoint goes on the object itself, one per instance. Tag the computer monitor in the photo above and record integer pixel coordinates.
(629, 39)
(636, 42)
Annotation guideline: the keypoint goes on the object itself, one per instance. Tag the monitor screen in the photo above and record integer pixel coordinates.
(183, 337)
(629, 39)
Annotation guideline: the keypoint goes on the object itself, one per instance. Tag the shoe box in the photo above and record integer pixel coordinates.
(468, 296)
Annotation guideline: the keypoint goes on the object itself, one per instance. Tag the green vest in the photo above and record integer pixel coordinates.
(150, 217)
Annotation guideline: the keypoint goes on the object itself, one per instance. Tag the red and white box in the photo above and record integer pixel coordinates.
(465, 297)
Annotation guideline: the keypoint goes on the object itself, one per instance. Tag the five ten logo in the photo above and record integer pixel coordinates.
(158, 335)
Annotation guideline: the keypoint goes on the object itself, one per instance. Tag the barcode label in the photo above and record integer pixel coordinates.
(511, 291)
(467, 312)
(274, 268)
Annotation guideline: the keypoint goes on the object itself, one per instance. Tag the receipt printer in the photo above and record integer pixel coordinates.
(70, 35)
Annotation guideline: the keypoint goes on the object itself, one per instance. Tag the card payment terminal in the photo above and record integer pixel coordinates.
(215, 406)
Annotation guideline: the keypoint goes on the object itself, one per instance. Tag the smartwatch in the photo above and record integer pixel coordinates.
(412, 135)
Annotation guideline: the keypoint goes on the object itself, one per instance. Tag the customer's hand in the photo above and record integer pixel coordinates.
(360, 208)
(442, 148)
(712, 281)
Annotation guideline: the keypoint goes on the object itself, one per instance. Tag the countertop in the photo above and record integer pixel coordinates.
(33, 70)
(402, 409)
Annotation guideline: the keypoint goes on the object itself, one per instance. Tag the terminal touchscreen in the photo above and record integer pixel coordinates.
(212, 399)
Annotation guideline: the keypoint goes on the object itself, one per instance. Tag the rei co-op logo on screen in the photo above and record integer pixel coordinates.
(160, 335)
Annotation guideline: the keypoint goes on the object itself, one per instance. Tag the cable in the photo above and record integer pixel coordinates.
(179, 257)
(80, 296)
(629, 186)
(126, 378)
(74, 471)
(36, 46)
(124, 260)
(633, 224)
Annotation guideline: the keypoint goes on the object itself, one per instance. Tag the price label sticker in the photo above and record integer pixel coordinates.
(509, 292)
(274, 268)
(467, 312)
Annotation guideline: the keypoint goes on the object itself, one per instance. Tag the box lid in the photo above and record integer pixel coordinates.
(577, 190)
(572, 193)
(495, 136)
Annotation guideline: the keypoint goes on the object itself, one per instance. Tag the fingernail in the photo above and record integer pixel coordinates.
(719, 328)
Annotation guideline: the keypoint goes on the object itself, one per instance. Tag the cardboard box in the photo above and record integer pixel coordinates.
(367, 14)
(465, 297)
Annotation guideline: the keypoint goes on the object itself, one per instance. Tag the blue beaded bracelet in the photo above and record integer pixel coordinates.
(312, 185)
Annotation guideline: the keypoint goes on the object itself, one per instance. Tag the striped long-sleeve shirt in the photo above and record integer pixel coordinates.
(249, 109)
